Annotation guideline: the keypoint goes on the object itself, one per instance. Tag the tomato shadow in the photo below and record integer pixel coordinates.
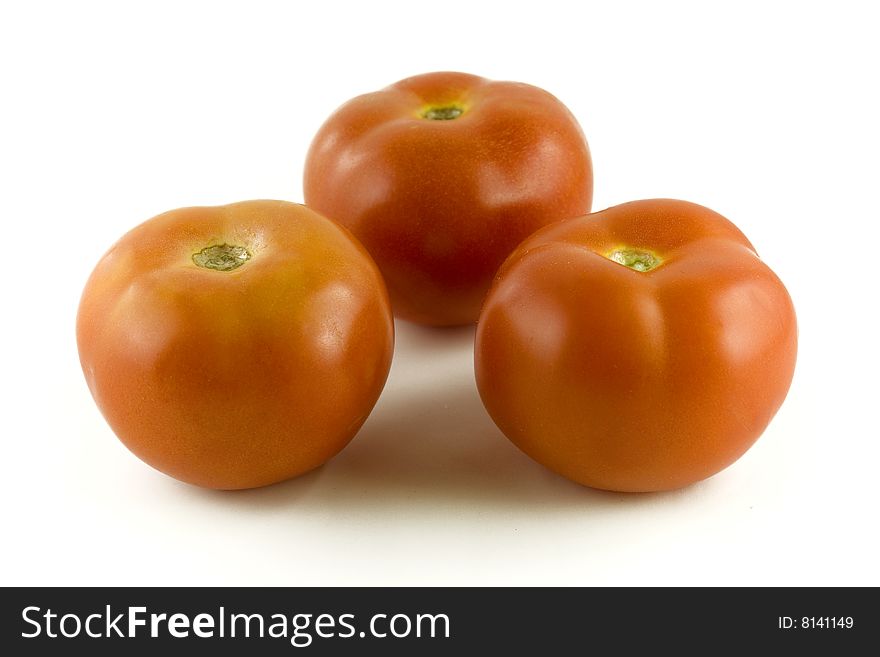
(429, 444)
(436, 446)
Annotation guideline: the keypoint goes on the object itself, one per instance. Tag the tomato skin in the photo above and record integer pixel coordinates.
(628, 380)
(240, 378)
(441, 203)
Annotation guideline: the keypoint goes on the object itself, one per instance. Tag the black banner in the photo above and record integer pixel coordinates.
(418, 621)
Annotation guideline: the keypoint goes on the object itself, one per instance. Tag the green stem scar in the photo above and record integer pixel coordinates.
(446, 113)
(636, 259)
(221, 257)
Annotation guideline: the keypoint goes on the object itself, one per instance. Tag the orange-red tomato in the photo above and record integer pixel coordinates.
(235, 346)
(641, 348)
(440, 176)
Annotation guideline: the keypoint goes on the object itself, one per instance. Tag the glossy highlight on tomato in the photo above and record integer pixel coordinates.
(440, 176)
(641, 348)
(235, 346)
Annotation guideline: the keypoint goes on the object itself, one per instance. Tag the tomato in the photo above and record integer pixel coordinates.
(441, 176)
(641, 348)
(235, 346)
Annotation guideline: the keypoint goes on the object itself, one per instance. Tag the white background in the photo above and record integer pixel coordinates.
(111, 113)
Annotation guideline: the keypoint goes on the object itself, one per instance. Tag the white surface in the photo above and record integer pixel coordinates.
(110, 114)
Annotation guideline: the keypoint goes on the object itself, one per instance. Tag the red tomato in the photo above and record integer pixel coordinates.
(440, 176)
(235, 346)
(641, 348)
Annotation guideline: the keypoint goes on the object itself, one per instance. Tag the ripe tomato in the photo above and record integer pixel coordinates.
(440, 176)
(641, 348)
(235, 346)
